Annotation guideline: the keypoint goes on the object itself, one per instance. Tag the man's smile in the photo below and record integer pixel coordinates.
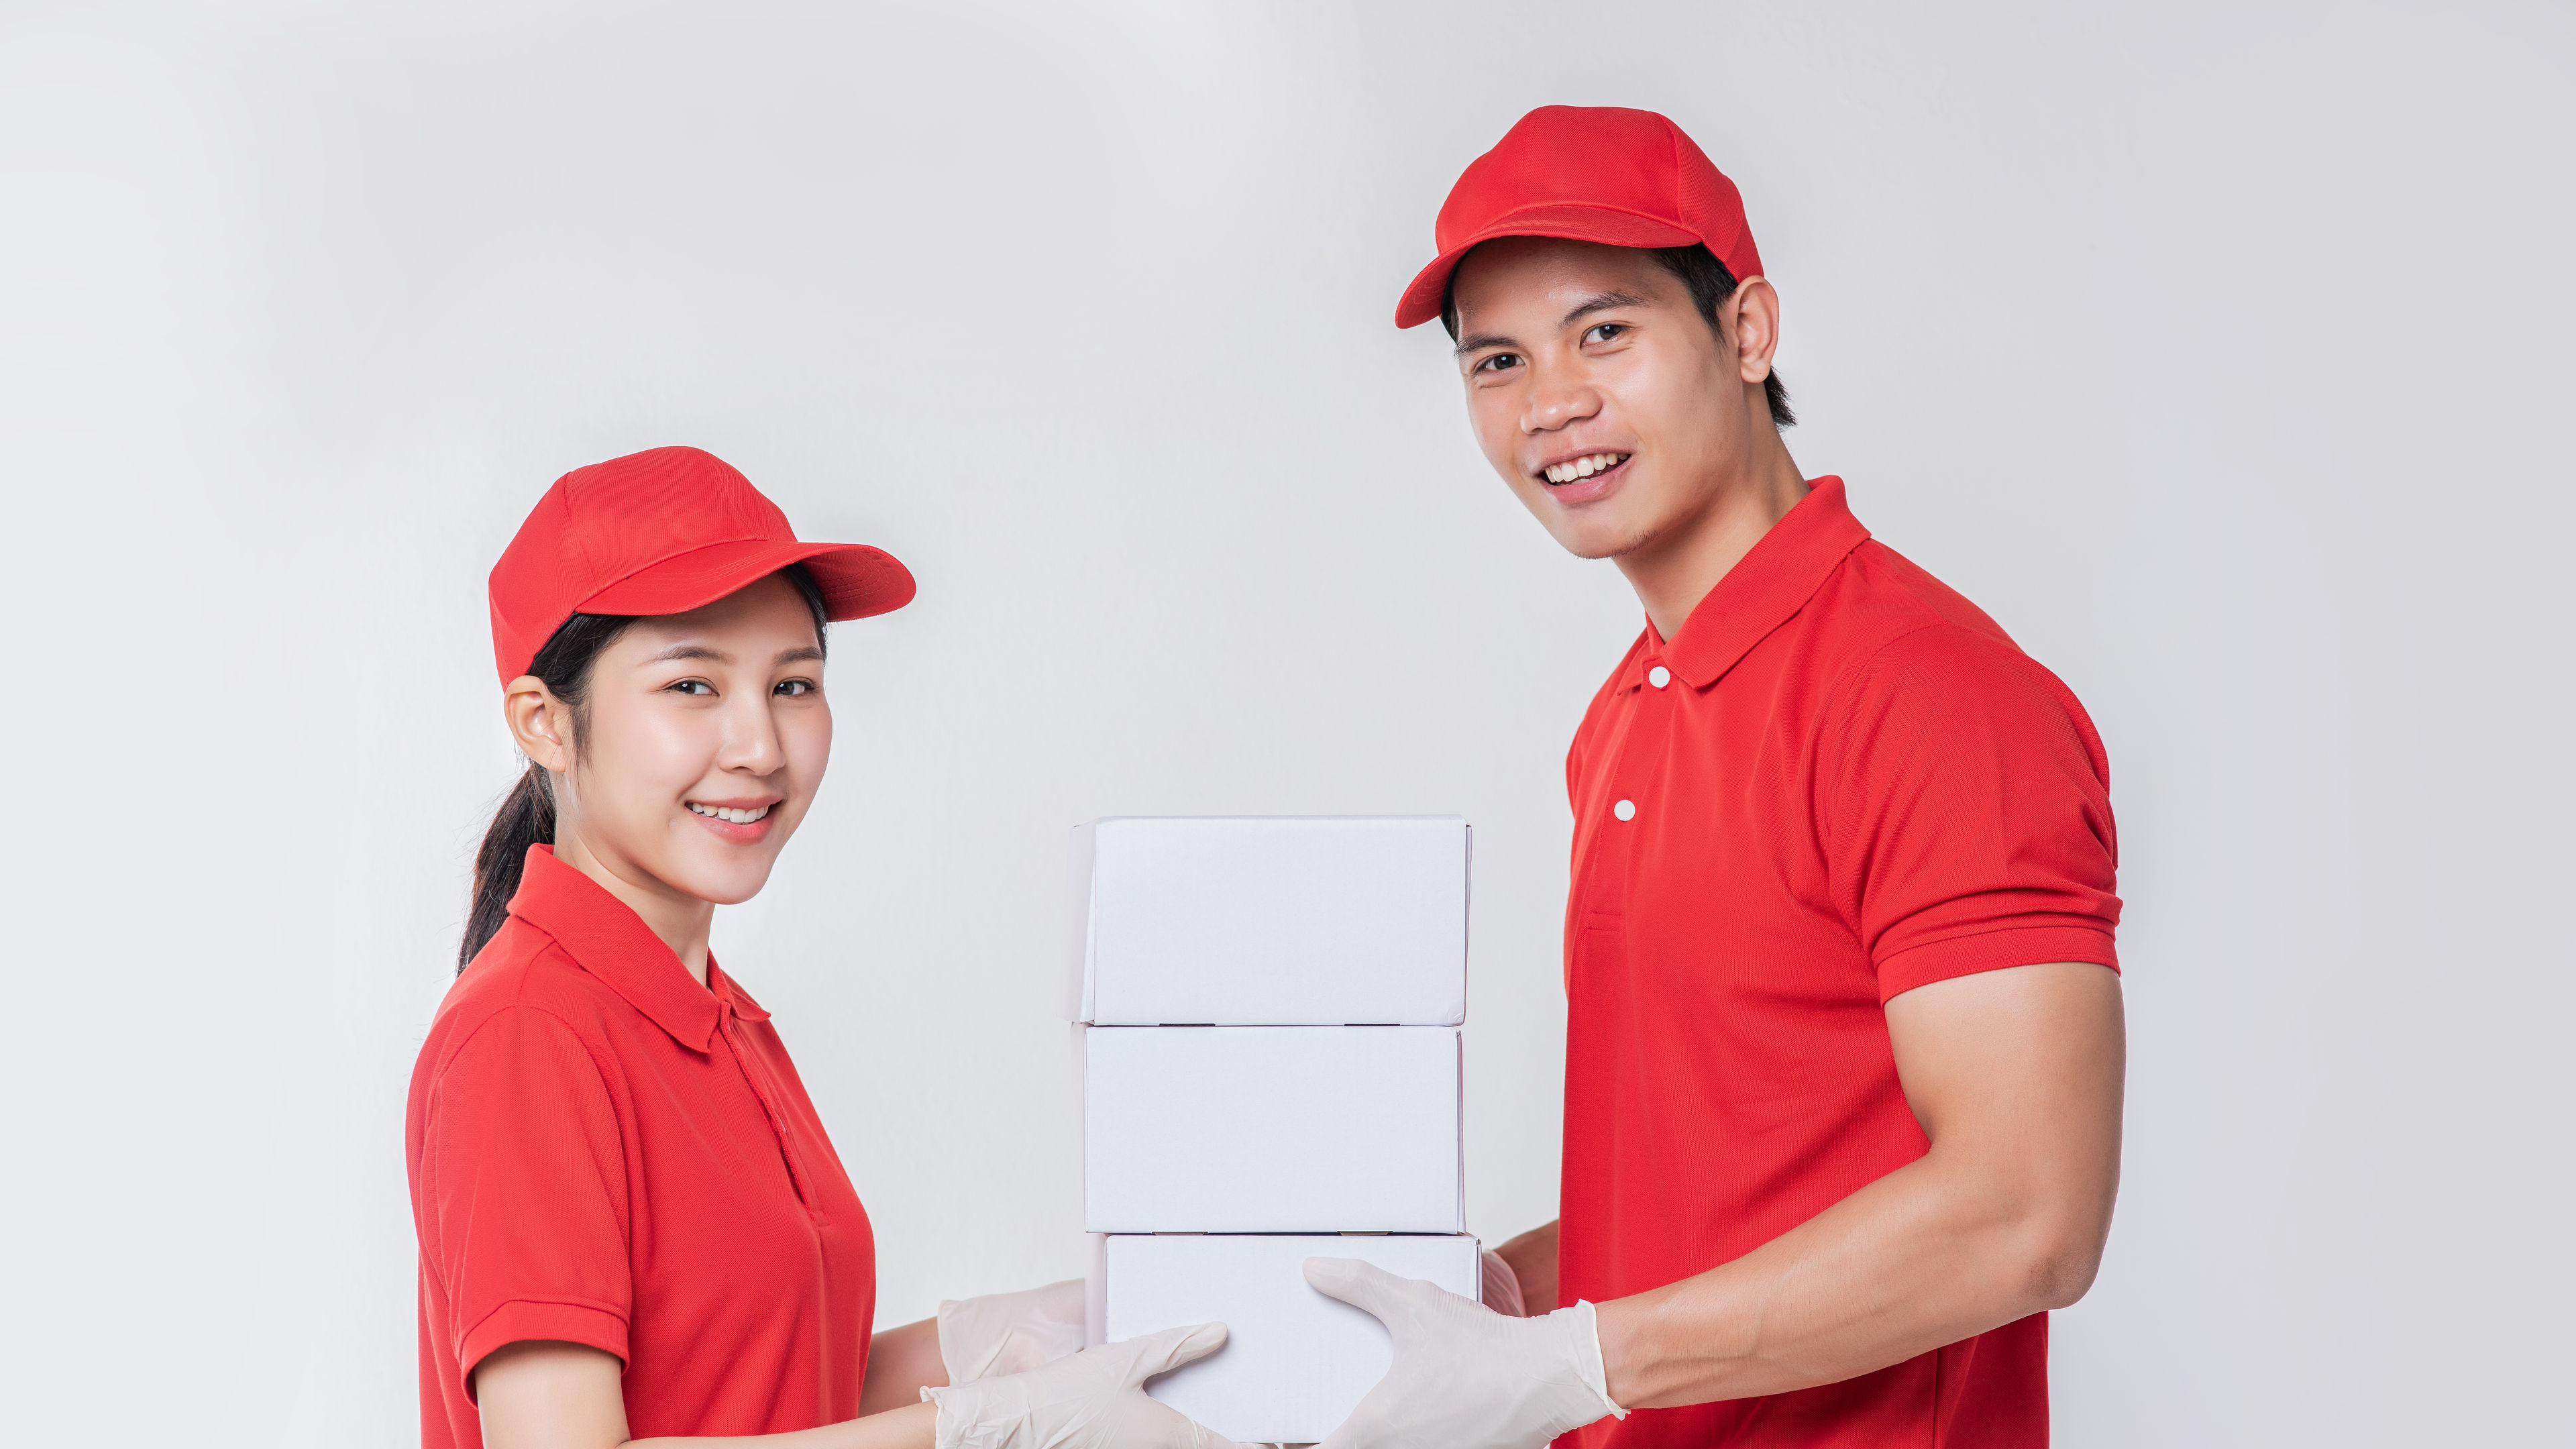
(1583, 467)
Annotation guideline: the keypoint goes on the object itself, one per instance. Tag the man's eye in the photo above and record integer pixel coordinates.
(793, 687)
(1499, 361)
(1605, 331)
(693, 686)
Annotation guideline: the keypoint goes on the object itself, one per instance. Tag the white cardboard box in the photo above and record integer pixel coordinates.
(1295, 1362)
(1270, 920)
(1271, 1129)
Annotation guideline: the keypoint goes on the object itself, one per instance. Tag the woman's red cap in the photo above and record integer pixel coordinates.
(663, 532)
(1586, 173)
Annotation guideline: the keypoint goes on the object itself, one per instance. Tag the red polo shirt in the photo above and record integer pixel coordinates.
(1840, 781)
(605, 1152)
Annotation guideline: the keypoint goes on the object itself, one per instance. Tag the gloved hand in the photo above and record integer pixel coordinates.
(1464, 1376)
(1093, 1400)
(1010, 1333)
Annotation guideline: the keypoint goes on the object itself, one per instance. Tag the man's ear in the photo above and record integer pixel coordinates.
(1757, 328)
(539, 722)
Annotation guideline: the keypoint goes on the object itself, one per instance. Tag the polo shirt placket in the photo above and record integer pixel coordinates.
(729, 1015)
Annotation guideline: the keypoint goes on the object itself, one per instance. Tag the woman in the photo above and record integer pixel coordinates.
(632, 1225)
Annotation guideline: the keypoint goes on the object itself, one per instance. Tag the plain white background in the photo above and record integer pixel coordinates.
(2219, 351)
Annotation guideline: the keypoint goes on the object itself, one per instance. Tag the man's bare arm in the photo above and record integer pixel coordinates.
(1532, 1257)
(2016, 1077)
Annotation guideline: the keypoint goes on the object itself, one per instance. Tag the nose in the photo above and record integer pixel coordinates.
(1557, 398)
(751, 743)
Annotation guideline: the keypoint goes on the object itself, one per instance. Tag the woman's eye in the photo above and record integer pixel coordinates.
(793, 687)
(1499, 362)
(1605, 331)
(693, 686)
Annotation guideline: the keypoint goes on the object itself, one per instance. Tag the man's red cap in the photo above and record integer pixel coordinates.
(662, 532)
(1587, 173)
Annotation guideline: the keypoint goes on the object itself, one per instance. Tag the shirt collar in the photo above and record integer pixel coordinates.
(730, 992)
(612, 943)
(1766, 587)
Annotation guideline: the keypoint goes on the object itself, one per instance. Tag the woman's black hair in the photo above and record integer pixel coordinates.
(527, 813)
(1709, 284)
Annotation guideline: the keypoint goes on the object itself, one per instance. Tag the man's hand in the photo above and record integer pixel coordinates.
(1464, 1376)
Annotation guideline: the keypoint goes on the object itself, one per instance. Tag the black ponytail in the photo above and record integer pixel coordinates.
(527, 814)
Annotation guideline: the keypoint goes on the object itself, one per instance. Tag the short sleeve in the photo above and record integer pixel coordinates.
(1964, 804)
(524, 1171)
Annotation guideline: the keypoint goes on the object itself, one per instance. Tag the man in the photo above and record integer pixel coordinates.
(1843, 1045)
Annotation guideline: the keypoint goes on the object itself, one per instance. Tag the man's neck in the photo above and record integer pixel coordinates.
(1673, 573)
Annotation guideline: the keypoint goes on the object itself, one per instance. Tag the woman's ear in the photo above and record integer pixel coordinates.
(539, 722)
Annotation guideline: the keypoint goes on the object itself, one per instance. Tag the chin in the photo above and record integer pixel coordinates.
(727, 887)
(1593, 540)
(1592, 550)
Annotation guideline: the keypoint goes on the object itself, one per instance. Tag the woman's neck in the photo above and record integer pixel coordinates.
(680, 919)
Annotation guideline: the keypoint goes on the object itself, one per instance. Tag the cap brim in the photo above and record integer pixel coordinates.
(1421, 301)
(857, 580)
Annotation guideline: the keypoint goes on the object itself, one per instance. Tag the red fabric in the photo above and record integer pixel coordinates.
(603, 1151)
(1605, 174)
(1850, 784)
(662, 532)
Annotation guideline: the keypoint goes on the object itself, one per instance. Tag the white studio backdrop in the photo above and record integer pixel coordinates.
(2218, 350)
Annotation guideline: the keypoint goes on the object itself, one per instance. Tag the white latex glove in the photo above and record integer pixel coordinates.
(1094, 1399)
(1010, 1333)
(1464, 1376)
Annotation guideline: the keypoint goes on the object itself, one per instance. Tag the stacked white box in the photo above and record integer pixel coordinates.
(1270, 1063)
(1270, 1129)
(1270, 921)
(1295, 1361)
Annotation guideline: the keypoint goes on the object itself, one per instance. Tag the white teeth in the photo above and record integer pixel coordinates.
(736, 817)
(1584, 467)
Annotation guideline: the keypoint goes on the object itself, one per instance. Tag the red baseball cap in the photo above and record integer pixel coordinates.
(1586, 173)
(662, 532)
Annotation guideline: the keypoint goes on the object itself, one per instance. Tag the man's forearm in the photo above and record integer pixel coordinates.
(1907, 1264)
(1532, 1259)
(2016, 1076)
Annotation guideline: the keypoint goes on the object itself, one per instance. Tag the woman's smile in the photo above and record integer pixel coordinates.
(736, 822)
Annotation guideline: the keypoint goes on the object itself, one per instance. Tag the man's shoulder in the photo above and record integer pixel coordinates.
(1892, 636)
(1880, 595)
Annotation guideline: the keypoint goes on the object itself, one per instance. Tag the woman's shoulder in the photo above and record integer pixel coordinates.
(523, 983)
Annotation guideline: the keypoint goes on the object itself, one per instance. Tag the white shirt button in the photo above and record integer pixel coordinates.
(1659, 676)
(1625, 809)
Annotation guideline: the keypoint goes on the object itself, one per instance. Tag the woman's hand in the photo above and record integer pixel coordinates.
(1093, 1400)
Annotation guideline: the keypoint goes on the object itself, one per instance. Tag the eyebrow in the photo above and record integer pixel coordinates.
(718, 656)
(1601, 302)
